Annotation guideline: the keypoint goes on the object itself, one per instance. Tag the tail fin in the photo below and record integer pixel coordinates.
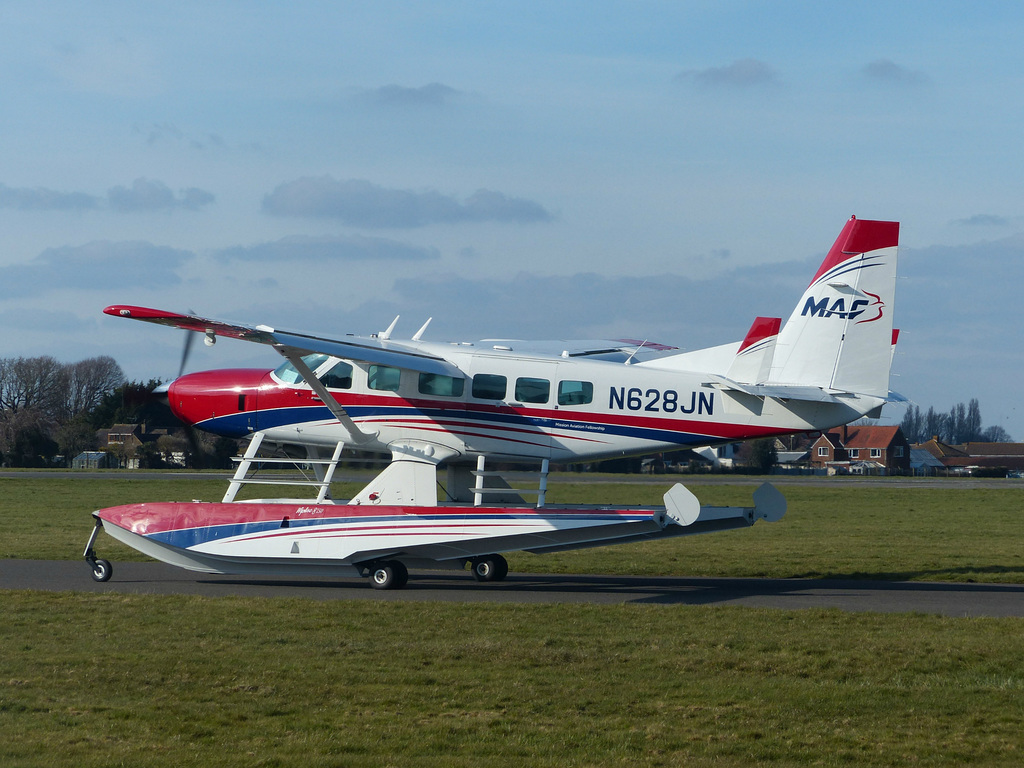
(753, 361)
(840, 335)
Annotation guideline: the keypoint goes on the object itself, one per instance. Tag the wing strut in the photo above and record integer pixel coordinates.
(357, 435)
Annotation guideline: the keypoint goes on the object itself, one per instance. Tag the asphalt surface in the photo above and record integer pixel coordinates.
(947, 599)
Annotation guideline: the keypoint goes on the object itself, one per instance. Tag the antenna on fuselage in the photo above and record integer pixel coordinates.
(385, 335)
(416, 336)
(629, 360)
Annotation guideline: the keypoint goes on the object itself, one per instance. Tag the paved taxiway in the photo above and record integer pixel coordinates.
(947, 599)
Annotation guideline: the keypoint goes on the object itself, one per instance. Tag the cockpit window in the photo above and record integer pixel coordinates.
(338, 377)
(287, 373)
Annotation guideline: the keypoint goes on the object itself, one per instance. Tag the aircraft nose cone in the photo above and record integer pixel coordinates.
(222, 402)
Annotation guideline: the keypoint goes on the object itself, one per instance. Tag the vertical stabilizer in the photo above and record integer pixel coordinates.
(840, 335)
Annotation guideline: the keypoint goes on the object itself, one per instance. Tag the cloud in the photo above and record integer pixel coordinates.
(431, 95)
(151, 195)
(361, 203)
(42, 199)
(330, 248)
(36, 320)
(741, 74)
(99, 265)
(887, 71)
(984, 220)
(160, 133)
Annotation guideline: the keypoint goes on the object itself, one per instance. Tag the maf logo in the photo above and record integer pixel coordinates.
(821, 308)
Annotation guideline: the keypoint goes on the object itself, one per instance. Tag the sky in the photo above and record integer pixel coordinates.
(655, 170)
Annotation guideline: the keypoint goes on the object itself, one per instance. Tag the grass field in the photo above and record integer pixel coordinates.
(159, 681)
(103, 680)
(877, 531)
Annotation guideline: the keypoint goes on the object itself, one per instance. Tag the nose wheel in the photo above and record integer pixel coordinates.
(102, 570)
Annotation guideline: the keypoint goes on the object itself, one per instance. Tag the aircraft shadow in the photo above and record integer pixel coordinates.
(642, 590)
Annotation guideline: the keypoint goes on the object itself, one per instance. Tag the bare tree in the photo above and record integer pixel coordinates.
(87, 382)
(32, 383)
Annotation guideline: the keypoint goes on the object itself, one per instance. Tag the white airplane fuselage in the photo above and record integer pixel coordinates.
(511, 407)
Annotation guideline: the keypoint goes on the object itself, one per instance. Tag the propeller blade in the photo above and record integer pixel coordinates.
(189, 338)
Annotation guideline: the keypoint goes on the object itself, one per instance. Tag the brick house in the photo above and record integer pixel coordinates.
(863, 450)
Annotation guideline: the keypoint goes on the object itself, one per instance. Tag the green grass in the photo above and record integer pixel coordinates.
(156, 681)
(850, 531)
(112, 679)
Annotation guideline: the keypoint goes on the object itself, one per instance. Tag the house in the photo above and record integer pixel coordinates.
(974, 458)
(862, 450)
(124, 441)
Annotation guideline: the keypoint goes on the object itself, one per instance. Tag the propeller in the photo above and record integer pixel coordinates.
(191, 434)
(189, 338)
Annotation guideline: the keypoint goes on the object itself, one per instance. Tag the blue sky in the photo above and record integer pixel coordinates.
(661, 170)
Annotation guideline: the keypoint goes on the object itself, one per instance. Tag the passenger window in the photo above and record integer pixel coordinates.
(532, 390)
(489, 386)
(575, 392)
(384, 377)
(339, 377)
(440, 385)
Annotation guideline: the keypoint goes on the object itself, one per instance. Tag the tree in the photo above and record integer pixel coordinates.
(763, 455)
(934, 424)
(963, 424)
(73, 437)
(87, 382)
(995, 435)
(972, 422)
(913, 425)
(40, 400)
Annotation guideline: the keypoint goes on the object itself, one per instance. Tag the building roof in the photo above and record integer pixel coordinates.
(864, 437)
(941, 450)
(919, 457)
(992, 449)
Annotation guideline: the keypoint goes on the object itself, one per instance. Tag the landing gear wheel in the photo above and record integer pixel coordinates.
(102, 570)
(388, 575)
(490, 568)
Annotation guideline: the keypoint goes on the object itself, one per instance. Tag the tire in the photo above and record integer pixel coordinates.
(388, 575)
(102, 570)
(490, 568)
(401, 573)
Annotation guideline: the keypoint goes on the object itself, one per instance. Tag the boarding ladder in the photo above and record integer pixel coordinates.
(323, 468)
(479, 488)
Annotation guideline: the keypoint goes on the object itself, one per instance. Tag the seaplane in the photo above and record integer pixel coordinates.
(442, 410)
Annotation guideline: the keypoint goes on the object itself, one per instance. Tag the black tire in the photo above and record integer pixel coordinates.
(102, 570)
(389, 575)
(401, 573)
(490, 568)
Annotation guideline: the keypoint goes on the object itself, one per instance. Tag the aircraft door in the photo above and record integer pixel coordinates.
(511, 406)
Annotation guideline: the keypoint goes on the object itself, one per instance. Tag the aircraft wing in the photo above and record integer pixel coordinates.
(615, 350)
(359, 348)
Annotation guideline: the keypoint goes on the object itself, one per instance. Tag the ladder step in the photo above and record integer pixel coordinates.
(284, 481)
